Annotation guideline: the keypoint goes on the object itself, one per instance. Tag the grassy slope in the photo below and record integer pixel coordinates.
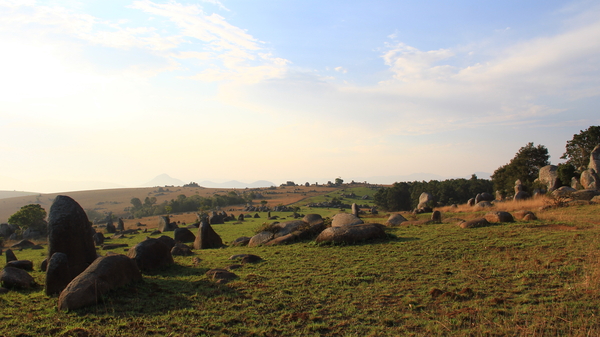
(536, 278)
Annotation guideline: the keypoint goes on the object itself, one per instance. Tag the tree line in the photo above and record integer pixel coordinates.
(184, 203)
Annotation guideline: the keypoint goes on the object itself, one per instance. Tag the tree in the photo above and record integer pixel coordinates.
(339, 181)
(30, 216)
(137, 203)
(525, 166)
(579, 148)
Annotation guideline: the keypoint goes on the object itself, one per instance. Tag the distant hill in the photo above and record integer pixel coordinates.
(164, 180)
(14, 194)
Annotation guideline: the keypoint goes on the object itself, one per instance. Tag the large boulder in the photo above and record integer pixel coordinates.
(345, 219)
(98, 239)
(475, 223)
(589, 179)
(151, 254)
(21, 264)
(521, 195)
(216, 219)
(241, 241)
(395, 220)
(10, 256)
(595, 159)
(425, 200)
(285, 228)
(352, 234)
(58, 275)
(105, 274)
(6, 230)
(499, 216)
(524, 215)
(70, 233)
(184, 235)
(483, 197)
(576, 184)
(11, 277)
(586, 195)
(165, 225)
(436, 217)
(260, 239)
(548, 175)
(563, 191)
(169, 241)
(207, 237)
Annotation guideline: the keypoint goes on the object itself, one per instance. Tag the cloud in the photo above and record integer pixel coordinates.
(341, 70)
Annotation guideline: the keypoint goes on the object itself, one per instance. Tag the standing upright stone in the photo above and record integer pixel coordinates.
(355, 209)
(436, 217)
(70, 233)
(590, 180)
(595, 159)
(10, 256)
(120, 225)
(520, 193)
(110, 227)
(548, 176)
(425, 199)
(207, 237)
(164, 224)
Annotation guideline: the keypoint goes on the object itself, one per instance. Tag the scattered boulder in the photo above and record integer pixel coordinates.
(425, 200)
(351, 234)
(11, 277)
(251, 258)
(170, 242)
(7, 230)
(23, 244)
(44, 265)
(595, 159)
(548, 175)
(471, 202)
(207, 237)
(120, 225)
(475, 223)
(524, 215)
(355, 210)
(499, 196)
(71, 233)
(105, 274)
(221, 275)
(10, 256)
(256, 216)
(596, 199)
(345, 219)
(241, 217)
(98, 239)
(576, 184)
(436, 217)
(241, 241)
(395, 220)
(181, 250)
(483, 197)
(521, 195)
(563, 191)
(21, 264)
(260, 239)
(285, 239)
(484, 204)
(110, 228)
(58, 274)
(586, 195)
(165, 225)
(589, 179)
(151, 254)
(215, 219)
(184, 235)
(499, 216)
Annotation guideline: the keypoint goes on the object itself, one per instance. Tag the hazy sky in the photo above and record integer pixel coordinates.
(122, 91)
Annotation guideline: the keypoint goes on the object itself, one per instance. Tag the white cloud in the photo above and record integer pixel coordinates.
(341, 70)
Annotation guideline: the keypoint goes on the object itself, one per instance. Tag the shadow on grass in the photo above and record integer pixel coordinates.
(173, 288)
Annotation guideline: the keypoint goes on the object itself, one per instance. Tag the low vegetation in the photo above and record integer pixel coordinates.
(535, 278)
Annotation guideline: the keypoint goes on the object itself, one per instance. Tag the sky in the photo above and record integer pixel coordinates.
(111, 93)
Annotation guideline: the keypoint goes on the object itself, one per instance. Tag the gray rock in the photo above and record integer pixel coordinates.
(352, 234)
(475, 223)
(120, 225)
(105, 274)
(260, 239)
(595, 159)
(355, 209)
(563, 191)
(58, 274)
(499, 216)
(436, 217)
(21, 264)
(11, 277)
(586, 195)
(151, 254)
(425, 199)
(241, 241)
(576, 184)
(98, 239)
(207, 237)
(345, 219)
(165, 225)
(589, 179)
(521, 195)
(548, 176)
(184, 235)
(395, 220)
(10, 256)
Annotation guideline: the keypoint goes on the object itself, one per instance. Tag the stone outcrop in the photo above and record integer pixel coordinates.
(165, 224)
(260, 238)
(207, 237)
(105, 274)
(483, 197)
(395, 220)
(345, 219)
(589, 179)
(151, 254)
(595, 160)
(548, 175)
(425, 200)
(241, 241)
(524, 215)
(352, 234)
(499, 216)
(70, 233)
(436, 217)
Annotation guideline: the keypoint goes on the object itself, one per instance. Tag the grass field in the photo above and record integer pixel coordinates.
(537, 278)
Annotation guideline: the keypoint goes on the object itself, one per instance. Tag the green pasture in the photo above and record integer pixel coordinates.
(539, 278)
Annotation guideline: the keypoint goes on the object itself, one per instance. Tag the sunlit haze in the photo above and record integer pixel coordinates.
(104, 93)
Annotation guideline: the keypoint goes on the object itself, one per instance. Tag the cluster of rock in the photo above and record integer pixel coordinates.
(486, 220)
(588, 180)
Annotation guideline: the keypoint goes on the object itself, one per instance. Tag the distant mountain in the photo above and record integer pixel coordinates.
(164, 180)
(236, 184)
(14, 194)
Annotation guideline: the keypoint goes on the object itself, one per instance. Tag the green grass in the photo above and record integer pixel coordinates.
(359, 191)
(524, 279)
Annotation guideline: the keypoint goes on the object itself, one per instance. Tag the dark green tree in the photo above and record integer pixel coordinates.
(579, 148)
(525, 166)
(339, 181)
(566, 172)
(31, 216)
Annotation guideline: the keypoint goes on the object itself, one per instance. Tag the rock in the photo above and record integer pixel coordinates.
(351, 234)
(355, 210)
(548, 175)
(98, 239)
(184, 235)
(3, 290)
(563, 191)
(165, 225)
(117, 236)
(524, 215)
(151, 254)
(483, 197)
(575, 183)
(285, 239)
(251, 258)
(6, 230)
(256, 216)
(58, 274)
(241, 217)
(521, 195)
(10, 256)
(114, 246)
(260, 239)
(215, 219)
(221, 275)
(425, 200)
(475, 223)
(181, 250)
(120, 225)
(234, 266)
(32, 234)
(519, 186)
(156, 232)
(207, 237)
(196, 261)
(395, 220)
(110, 228)
(44, 265)
(499, 196)
(436, 217)
(483, 204)
(471, 202)
(170, 242)
(21, 264)
(499, 216)
(596, 199)
(105, 274)
(595, 159)
(345, 219)
(11, 277)
(589, 179)
(241, 241)
(313, 219)
(586, 195)
(23, 244)
(71, 233)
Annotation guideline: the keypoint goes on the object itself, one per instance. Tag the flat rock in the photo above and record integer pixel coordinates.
(345, 219)
(475, 223)
(351, 234)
